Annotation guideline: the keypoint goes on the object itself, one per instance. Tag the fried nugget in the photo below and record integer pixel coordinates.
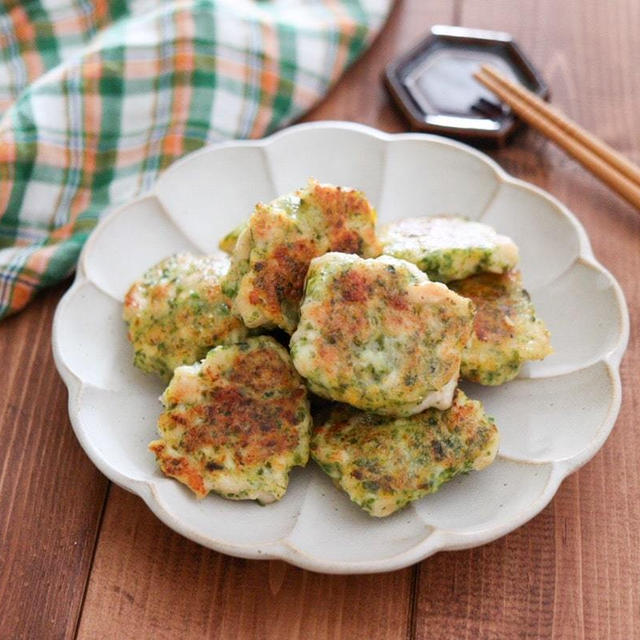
(385, 463)
(377, 334)
(176, 312)
(448, 247)
(506, 330)
(272, 254)
(235, 423)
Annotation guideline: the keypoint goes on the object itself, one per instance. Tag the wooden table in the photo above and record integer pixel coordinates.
(81, 557)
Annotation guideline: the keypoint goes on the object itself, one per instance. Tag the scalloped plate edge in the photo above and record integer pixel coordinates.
(438, 539)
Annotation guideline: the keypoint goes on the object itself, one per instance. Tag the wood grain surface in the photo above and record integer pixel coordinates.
(79, 559)
(51, 495)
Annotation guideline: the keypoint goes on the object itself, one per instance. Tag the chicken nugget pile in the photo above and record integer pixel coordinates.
(375, 330)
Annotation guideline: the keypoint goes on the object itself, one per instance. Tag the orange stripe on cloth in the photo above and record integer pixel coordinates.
(92, 68)
(62, 233)
(26, 33)
(140, 69)
(21, 294)
(92, 123)
(231, 69)
(82, 23)
(72, 25)
(101, 15)
(128, 157)
(172, 146)
(53, 155)
(269, 79)
(184, 62)
(26, 284)
(80, 202)
(347, 29)
(38, 262)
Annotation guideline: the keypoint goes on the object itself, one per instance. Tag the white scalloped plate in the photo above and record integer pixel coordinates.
(553, 418)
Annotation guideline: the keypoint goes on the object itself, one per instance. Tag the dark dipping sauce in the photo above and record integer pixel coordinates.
(434, 86)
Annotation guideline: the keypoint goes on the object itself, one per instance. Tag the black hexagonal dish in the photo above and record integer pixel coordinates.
(434, 87)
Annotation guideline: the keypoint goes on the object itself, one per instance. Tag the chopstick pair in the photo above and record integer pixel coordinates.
(619, 173)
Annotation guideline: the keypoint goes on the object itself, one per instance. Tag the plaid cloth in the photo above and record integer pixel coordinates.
(97, 97)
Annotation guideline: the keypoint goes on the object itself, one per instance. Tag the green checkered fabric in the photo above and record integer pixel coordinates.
(97, 97)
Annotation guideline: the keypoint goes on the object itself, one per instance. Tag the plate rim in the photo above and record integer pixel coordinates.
(439, 539)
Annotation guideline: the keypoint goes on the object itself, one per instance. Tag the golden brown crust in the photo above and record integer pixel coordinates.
(375, 333)
(383, 463)
(278, 278)
(176, 312)
(235, 423)
(272, 255)
(340, 206)
(506, 331)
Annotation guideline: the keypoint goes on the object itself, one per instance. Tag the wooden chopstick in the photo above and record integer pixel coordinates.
(624, 165)
(596, 156)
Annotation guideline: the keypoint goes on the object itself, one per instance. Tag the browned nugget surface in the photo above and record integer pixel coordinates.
(377, 334)
(272, 254)
(506, 330)
(385, 463)
(176, 312)
(235, 423)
